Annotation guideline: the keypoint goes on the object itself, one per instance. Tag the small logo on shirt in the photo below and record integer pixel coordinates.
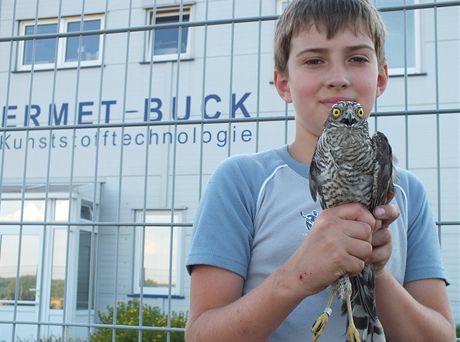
(309, 218)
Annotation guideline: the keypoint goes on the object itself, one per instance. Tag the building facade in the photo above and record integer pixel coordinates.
(115, 114)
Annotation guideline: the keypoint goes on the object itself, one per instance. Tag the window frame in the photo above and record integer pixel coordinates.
(416, 68)
(92, 62)
(178, 289)
(60, 55)
(22, 44)
(32, 230)
(280, 5)
(53, 223)
(169, 11)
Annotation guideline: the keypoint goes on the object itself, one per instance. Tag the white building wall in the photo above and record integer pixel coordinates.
(234, 64)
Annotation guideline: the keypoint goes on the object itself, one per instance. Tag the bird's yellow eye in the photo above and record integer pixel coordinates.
(360, 112)
(336, 112)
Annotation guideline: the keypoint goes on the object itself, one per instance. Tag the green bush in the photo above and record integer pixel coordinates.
(128, 314)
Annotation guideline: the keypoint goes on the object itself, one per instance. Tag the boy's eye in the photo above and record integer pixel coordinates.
(359, 59)
(313, 61)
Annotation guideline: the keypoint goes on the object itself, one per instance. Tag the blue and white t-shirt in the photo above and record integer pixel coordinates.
(257, 210)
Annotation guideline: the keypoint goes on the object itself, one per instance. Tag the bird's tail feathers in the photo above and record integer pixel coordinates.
(364, 308)
(363, 289)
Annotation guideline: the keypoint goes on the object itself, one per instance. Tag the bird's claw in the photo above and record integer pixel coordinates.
(352, 333)
(320, 324)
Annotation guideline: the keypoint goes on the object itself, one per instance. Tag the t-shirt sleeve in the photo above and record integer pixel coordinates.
(424, 258)
(223, 227)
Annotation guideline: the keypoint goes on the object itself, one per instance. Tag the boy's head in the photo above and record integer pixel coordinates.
(332, 16)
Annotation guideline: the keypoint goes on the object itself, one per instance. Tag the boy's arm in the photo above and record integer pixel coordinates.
(419, 311)
(339, 243)
(219, 312)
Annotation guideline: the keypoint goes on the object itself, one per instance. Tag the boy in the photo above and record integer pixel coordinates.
(262, 257)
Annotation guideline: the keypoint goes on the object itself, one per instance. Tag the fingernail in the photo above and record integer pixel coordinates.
(379, 211)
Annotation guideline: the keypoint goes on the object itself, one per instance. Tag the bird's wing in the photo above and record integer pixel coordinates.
(383, 181)
(314, 174)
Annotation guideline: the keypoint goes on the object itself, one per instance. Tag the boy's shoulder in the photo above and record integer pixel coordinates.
(412, 198)
(259, 163)
(408, 181)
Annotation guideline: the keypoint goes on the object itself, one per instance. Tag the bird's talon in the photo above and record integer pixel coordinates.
(352, 333)
(320, 324)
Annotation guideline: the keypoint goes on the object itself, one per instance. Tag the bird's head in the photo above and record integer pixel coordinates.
(347, 113)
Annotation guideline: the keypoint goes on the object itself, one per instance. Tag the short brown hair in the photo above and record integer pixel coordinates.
(333, 15)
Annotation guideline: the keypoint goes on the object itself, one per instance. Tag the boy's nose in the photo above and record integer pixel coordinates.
(337, 77)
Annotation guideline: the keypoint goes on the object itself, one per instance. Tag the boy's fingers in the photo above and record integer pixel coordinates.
(382, 237)
(355, 212)
(387, 213)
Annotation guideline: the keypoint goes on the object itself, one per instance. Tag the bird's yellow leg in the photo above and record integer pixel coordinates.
(321, 322)
(352, 332)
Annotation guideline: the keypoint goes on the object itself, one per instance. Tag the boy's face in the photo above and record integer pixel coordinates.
(322, 71)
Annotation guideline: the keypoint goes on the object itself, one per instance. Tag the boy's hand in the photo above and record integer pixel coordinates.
(381, 237)
(339, 243)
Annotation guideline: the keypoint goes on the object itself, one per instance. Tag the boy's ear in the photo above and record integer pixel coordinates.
(282, 85)
(382, 79)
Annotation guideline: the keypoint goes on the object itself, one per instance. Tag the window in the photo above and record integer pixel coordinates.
(158, 247)
(394, 45)
(83, 272)
(86, 210)
(165, 41)
(62, 210)
(32, 210)
(42, 54)
(59, 257)
(396, 37)
(86, 48)
(29, 239)
(28, 269)
(44, 50)
(281, 5)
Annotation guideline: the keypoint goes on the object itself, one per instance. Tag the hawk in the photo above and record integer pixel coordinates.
(349, 166)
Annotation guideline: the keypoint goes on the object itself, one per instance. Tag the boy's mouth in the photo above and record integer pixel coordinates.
(329, 102)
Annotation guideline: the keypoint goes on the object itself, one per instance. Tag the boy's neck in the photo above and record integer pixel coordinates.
(302, 150)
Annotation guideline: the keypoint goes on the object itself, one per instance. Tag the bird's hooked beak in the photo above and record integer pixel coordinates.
(349, 118)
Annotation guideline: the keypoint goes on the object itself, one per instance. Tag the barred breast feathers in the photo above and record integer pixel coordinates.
(346, 160)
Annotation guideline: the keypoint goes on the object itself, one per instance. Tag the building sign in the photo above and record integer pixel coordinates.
(87, 115)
